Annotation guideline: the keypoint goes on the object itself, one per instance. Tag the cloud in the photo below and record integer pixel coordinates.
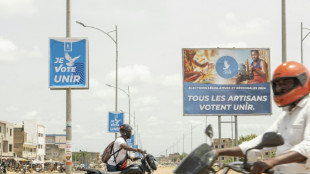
(195, 123)
(6, 45)
(132, 74)
(11, 109)
(94, 83)
(233, 44)
(224, 45)
(171, 80)
(31, 114)
(232, 26)
(35, 52)
(17, 7)
(9, 52)
(101, 108)
(147, 101)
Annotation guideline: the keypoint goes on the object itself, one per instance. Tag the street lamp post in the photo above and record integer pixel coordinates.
(128, 94)
(116, 56)
(301, 42)
(192, 134)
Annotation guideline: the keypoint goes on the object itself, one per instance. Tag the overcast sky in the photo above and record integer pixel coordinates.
(151, 36)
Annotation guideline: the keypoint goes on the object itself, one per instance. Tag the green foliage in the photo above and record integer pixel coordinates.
(273, 154)
(227, 161)
(183, 155)
(80, 156)
(246, 138)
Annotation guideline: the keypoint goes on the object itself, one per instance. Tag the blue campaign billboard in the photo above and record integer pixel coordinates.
(131, 141)
(226, 81)
(68, 63)
(115, 120)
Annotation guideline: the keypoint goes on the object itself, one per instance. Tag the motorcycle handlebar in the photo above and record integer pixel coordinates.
(240, 168)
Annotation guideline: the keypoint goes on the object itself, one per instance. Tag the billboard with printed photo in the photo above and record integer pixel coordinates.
(219, 81)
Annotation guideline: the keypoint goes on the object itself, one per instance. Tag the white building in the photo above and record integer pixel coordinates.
(31, 128)
(41, 143)
(6, 140)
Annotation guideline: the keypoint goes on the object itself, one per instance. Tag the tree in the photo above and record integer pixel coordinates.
(81, 156)
(246, 138)
(183, 155)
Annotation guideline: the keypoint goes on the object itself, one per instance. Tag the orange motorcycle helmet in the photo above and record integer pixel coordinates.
(300, 74)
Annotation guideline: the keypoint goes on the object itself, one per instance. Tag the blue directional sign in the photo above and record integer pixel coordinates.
(131, 141)
(116, 119)
(68, 63)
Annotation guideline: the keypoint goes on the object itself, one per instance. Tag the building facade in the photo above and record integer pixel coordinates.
(225, 143)
(41, 143)
(6, 140)
(22, 147)
(55, 147)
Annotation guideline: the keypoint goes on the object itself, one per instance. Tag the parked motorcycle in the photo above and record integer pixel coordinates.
(25, 168)
(201, 160)
(2, 170)
(148, 165)
(62, 168)
(38, 168)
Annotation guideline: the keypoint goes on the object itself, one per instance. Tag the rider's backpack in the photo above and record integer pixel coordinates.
(108, 152)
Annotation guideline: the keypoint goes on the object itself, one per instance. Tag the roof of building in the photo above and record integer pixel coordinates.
(54, 135)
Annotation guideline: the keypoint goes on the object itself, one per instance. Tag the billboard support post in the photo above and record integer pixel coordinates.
(236, 132)
(220, 137)
(220, 132)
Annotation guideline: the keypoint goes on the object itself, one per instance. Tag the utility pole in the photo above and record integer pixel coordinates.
(301, 57)
(283, 31)
(68, 102)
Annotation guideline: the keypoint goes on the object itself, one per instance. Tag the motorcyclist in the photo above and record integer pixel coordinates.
(291, 87)
(118, 161)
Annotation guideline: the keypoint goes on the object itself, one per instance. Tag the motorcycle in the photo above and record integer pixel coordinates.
(2, 170)
(25, 169)
(62, 168)
(201, 159)
(148, 165)
(38, 168)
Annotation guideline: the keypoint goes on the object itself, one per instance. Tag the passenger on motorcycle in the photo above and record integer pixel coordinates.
(118, 161)
(291, 87)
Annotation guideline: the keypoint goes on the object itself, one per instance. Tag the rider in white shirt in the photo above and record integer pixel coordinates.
(291, 87)
(121, 148)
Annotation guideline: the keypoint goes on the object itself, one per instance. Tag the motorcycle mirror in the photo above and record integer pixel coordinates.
(270, 139)
(209, 131)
